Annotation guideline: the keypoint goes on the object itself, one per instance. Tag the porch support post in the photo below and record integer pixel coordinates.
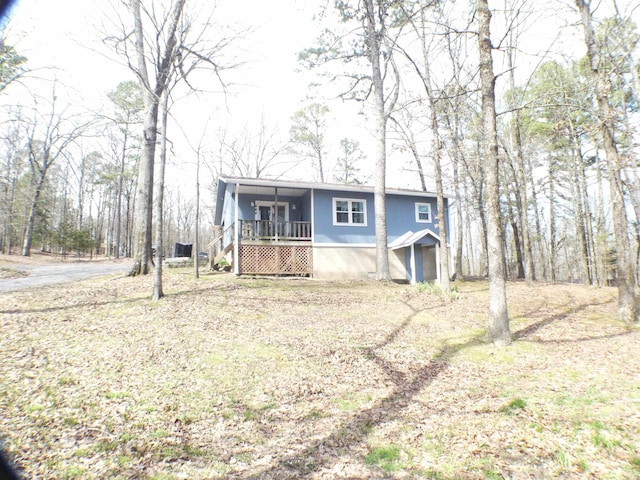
(275, 214)
(313, 217)
(236, 243)
(438, 263)
(413, 264)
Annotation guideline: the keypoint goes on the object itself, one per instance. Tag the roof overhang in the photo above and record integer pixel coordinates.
(410, 238)
(262, 186)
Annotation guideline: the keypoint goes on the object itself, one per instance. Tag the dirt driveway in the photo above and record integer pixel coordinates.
(15, 275)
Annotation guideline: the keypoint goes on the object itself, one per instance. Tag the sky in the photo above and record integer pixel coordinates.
(66, 35)
(63, 39)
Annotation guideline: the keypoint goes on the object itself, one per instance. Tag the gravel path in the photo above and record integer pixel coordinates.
(41, 275)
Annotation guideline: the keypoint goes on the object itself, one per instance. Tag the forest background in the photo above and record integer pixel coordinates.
(255, 110)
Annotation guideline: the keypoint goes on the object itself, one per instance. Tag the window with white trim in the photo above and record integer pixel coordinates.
(349, 211)
(423, 212)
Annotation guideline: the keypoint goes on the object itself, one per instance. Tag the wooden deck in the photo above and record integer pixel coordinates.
(268, 230)
(268, 248)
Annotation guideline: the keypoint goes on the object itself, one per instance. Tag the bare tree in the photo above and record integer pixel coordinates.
(380, 85)
(424, 73)
(48, 136)
(163, 43)
(159, 203)
(162, 47)
(403, 124)
(127, 98)
(255, 154)
(520, 190)
(375, 25)
(498, 330)
(627, 308)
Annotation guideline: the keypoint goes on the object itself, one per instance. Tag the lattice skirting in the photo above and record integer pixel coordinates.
(276, 259)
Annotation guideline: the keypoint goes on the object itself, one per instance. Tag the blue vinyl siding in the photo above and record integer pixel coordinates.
(228, 212)
(324, 229)
(401, 218)
(305, 207)
(247, 211)
(401, 215)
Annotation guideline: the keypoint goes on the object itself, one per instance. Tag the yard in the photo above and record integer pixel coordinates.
(254, 378)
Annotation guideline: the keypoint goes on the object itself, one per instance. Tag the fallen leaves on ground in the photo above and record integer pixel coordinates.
(257, 378)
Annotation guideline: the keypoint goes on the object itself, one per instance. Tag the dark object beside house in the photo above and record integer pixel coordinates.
(182, 250)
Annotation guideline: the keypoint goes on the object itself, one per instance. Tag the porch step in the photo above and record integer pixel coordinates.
(222, 254)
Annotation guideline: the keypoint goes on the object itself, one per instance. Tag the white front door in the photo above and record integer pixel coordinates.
(265, 213)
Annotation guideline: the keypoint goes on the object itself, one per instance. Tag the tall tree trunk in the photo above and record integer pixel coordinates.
(473, 267)
(632, 181)
(196, 242)
(591, 243)
(8, 224)
(129, 225)
(600, 228)
(108, 231)
(436, 146)
(152, 94)
(521, 183)
(33, 210)
(123, 157)
(159, 203)
(539, 242)
(498, 331)
(459, 220)
(513, 221)
(144, 194)
(578, 208)
(445, 284)
(627, 308)
(484, 224)
(585, 210)
(380, 128)
(553, 255)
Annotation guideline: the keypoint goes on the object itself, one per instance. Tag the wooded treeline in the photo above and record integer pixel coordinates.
(74, 175)
(566, 132)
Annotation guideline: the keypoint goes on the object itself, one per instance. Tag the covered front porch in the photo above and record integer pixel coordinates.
(267, 229)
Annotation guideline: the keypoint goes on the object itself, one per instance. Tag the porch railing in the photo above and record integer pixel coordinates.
(269, 230)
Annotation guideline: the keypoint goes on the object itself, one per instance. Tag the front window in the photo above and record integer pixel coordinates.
(348, 211)
(423, 212)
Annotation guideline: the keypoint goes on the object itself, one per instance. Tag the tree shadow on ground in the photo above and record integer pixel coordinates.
(59, 308)
(528, 332)
(115, 301)
(355, 431)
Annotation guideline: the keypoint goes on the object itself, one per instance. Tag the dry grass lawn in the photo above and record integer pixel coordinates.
(246, 378)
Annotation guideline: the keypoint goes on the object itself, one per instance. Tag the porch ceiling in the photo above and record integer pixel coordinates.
(270, 191)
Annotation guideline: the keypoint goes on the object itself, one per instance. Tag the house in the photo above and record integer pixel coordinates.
(327, 231)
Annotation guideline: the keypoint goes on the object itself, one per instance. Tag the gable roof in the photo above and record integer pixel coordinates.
(264, 183)
(409, 238)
